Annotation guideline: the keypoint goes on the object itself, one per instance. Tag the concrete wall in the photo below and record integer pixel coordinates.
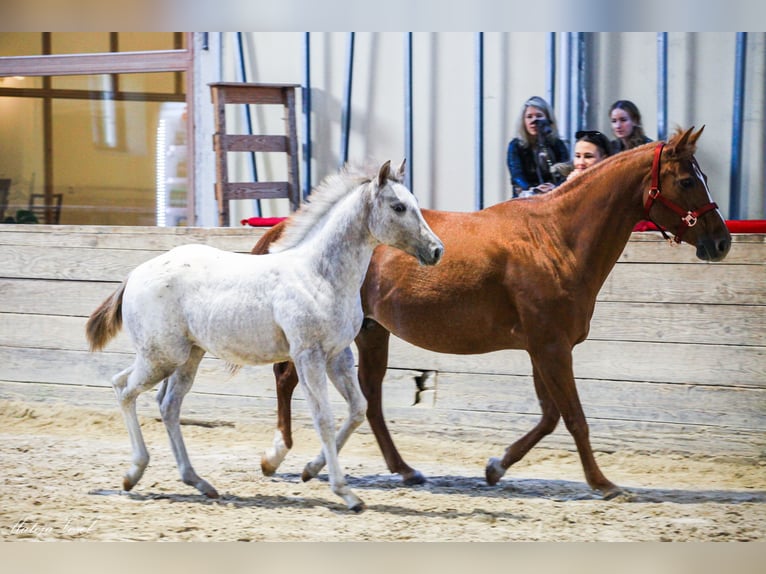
(618, 66)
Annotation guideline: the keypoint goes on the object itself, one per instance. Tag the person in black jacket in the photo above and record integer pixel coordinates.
(535, 150)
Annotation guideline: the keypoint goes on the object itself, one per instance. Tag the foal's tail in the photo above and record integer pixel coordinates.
(106, 321)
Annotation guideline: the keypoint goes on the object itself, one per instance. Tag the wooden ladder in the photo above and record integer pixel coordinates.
(244, 93)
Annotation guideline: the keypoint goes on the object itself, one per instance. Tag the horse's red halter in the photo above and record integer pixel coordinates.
(688, 218)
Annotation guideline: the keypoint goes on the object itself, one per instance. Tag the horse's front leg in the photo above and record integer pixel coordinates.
(311, 365)
(341, 371)
(286, 381)
(553, 362)
(170, 401)
(497, 467)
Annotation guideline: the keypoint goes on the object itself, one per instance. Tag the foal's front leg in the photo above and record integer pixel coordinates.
(311, 365)
(341, 371)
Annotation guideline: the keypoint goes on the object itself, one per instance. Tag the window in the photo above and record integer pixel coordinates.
(96, 125)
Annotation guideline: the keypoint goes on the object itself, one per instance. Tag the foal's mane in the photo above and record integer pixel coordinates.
(322, 199)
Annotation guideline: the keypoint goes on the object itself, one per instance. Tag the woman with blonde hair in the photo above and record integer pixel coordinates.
(535, 150)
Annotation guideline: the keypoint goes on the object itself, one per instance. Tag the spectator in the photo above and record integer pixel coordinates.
(590, 148)
(626, 125)
(535, 150)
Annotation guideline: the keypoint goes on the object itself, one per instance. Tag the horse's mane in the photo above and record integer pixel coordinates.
(322, 199)
(677, 149)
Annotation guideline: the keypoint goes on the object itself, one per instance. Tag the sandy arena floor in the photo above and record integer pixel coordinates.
(62, 468)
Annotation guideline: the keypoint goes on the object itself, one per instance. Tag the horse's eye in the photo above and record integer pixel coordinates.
(399, 207)
(687, 182)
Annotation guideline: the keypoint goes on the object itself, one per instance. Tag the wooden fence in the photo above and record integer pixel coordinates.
(676, 358)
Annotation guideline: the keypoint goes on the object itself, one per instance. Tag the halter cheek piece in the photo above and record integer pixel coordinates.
(688, 218)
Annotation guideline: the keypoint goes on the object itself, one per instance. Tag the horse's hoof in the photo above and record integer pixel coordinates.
(127, 483)
(494, 471)
(267, 469)
(413, 478)
(613, 492)
(306, 475)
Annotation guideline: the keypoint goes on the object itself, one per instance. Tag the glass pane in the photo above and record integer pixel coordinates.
(31, 43)
(160, 84)
(21, 44)
(79, 42)
(113, 162)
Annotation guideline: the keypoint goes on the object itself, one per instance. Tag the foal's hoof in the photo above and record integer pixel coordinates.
(413, 478)
(494, 471)
(212, 493)
(127, 483)
(359, 507)
(306, 475)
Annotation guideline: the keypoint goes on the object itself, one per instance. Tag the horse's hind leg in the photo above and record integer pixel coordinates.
(311, 367)
(343, 375)
(286, 380)
(127, 385)
(496, 467)
(170, 400)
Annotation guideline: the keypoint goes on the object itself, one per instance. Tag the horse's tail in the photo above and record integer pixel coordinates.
(106, 321)
(271, 235)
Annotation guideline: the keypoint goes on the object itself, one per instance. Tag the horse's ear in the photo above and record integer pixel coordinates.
(383, 173)
(399, 174)
(684, 143)
(694, 137)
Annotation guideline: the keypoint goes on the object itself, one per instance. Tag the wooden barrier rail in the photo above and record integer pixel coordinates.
(676, 357)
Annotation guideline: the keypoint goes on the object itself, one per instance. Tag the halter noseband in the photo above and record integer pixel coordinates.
(688, 218)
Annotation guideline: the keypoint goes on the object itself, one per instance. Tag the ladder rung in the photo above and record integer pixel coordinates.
(256, 190)
(229, 142)
(248, 94)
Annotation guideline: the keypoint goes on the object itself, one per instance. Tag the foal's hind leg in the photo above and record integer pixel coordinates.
(127, 385)
(343, 375)
(286, 380)
(170, 401)
(496, 467)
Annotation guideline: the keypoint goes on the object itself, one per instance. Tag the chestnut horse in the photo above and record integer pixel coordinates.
(523, 274)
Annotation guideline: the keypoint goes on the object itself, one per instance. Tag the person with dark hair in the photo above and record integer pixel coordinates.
(590, 148)
(626, 125)
(535, 150)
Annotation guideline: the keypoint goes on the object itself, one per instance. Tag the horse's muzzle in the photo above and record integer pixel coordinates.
(713, 248)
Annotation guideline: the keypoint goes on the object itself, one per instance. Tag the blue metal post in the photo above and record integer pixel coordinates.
(550, 76)
(735, 180)
(307, 113)
(408, 110)
(248, 117)
(346, 112)
(479, 121)
(662, 85)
